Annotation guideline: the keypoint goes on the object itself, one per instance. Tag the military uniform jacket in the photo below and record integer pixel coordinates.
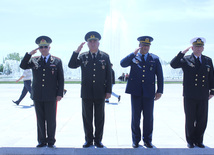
(141, 81)
(197, 83)
(96, 76)
(48, 80)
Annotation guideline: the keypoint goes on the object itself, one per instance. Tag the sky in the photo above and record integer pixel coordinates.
(172, 24)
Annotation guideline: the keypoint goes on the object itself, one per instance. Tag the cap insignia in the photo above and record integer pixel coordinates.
(92, 36)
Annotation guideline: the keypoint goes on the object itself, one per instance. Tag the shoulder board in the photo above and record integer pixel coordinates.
(153, 56)
(84, 53)
(55, 57)
(36, 56)
(104, 53)
(206, 57)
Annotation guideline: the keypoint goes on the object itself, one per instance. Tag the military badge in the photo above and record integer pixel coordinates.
(52, 71)
(103, 63)
(208, 68)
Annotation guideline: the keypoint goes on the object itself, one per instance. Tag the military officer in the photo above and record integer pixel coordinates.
(198, 88)
(145, 67)
(95, 86)
(47, 89)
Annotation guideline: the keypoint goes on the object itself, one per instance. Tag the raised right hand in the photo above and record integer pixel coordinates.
(80, 47)
(34, 51)
(186, 50)
(136, 50)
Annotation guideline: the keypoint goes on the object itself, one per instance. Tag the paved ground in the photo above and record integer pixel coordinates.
(18, 124)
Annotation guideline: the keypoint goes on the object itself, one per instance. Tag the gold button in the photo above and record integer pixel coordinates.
(94, 69)
(43, 79)
(143, 75)
(43, 69)
(144, 66)
(143, 70)
(196, 84)
(94, 64)
(94, 81)
(203, 76)
(94, 75)
(196, 75)
(43, 74)
(196, 79)
(202, 80)
(202, 85)
(142, 80)
(43, 85)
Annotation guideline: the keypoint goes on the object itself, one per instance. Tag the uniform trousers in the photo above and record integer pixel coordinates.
(26, 88)
(94, 107)
(46, 121)
(146, 105)
(196, 114)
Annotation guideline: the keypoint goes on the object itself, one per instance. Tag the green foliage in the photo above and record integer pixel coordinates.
(1, 67)
(13, 56)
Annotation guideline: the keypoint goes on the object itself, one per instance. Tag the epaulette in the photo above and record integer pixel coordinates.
(83, 53)
(55, 57)
(104, 53)
(154, 56)
(36, 56)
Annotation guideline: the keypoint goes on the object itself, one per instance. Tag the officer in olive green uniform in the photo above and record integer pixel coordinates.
(47, 89)
(198, 88)
(95, 86)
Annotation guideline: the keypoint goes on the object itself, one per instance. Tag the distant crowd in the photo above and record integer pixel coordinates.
(124, 77)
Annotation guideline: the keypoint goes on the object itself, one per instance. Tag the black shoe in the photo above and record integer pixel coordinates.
(51, 146)
(87, 144)
(41, 145)
(135, 145)
(190, 145)
(148, 144)
(16, 102)
(119, 98)
(201, 145)
(98, 144)
(107, 101)
(64, 92)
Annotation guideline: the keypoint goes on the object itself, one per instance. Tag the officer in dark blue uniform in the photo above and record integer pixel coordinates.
(95, 87)
(145, 67)
(198, 88)
(47, 89)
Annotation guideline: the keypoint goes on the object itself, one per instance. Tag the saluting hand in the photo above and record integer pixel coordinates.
(157, 96)
(80, 47)
(136, 50)
(186, 50)
(34, 51)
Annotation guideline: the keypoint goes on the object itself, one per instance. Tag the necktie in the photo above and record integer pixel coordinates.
(94, 56)
(44, 60)
(198, 63)
(143, 59)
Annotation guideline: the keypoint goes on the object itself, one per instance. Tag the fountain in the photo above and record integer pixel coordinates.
(115, 41)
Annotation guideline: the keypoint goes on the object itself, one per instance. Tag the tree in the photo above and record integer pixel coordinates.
(1, 67)
(13, 56)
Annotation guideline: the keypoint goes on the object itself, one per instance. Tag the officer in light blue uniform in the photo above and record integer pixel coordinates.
(145, 69)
